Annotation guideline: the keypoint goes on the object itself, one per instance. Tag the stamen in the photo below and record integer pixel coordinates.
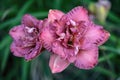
(30, 30)
(73, 22)
(62, 35)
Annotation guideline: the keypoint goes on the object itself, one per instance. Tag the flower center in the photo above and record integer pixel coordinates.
(29, 30)
(70, 41)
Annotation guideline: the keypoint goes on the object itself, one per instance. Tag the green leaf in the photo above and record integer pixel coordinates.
(9, 22)
(16, 20)
(25, 7)
(109, 56)
(25, 70)
(4, 47)
(113, 17)
(57, 4)
(110, 49)
(5, 41)
(40, 14)
(105, 72)
(5, 57)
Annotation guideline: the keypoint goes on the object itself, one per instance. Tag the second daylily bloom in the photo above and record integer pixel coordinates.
(73, 38)
(26, 38)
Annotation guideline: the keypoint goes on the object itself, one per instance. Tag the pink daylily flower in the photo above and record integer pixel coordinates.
(73, 38)
(26, 38)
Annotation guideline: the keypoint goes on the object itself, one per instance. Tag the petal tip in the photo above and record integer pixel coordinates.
(50, 11)
(78, 13)
(87, 59)
(55, 71)
(29, 20)
(91, 65)
(57, 64)
(54, 15)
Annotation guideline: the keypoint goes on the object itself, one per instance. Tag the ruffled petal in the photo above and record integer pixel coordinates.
(96, 35)
(18, 51)
(60, 28)
(57, 64)
(21, 37)
(47, 36)
(78, 14)
(87, 59)
(29, 20)
(27, 52)
(35, 52)
(80, 30)
(54, 15)
(17, 32)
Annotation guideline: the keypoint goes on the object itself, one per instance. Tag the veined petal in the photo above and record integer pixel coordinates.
(71, 59)
(57, 64)
(80, 30)
(59, 27)
(58, 49)
(78, 14)
(29, 20)
(97, 35)
(54, 15)
(87, 59)
(62, 51)
(18, 51)
(27, 52)
(47, 35)
(35, 52)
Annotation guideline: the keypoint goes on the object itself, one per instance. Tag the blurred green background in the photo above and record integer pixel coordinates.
(14, 68)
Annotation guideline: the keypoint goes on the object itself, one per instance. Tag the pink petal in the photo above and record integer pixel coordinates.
(47, 36)
(59, 27)
(27, 52)
(40, 25)
(54, 15)
(57, 64)
(18, 51)
(29, 20)
(80, 30)
(97, 35)
(17, 32)
(35, 51)
(62, 51)
(71, 59)
(57, 48)
(78, 14)
(87, 59)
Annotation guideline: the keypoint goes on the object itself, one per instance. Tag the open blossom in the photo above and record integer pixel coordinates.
(25, 38)
(73, 38)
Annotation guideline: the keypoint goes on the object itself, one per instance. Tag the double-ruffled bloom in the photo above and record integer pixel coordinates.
(26, 42)
(72, 38)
